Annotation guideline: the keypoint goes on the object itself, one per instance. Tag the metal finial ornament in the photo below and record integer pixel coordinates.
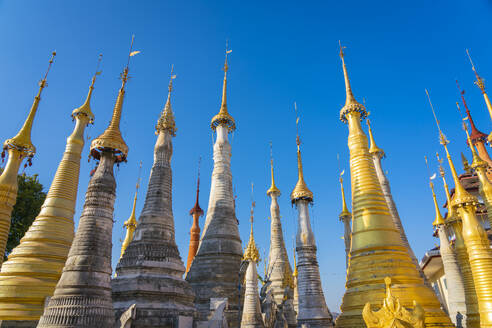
(251, 253)
(301, 191)
(461, 195)
(111, 139)
(223, 117)
(479, 82)
(374, 149)
(351, 105)
(166, 120)
(22, 141)
(85, 109)
(273, 187)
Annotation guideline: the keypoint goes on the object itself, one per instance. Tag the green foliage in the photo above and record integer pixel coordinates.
(30, 197)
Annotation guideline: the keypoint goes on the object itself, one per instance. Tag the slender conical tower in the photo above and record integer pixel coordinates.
(17, 148)
(214, 271)
(312, 309)
(195, 212)
(475, 238)
(345, 216)
(30, 274)
(377, 250)
(150, 272)
(377, 154)
(82, 296)
(456, 291)
(251, 308)
(478, 138)
(279, 270)
(481, 85)
(130, 225)
(453, 221)
(480, 167)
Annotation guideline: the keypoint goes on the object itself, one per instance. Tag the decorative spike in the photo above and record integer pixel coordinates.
(374, 149)
(439, 220)
(273, 187)
(351, 104)
(166, 121)
(223, 117)
(301, 191)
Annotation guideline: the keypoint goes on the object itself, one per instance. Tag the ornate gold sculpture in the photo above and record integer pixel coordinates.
(392, 314)
(273, 187)
(223, 117)
(18, 148)
(373, 149)
(345, 211)
(453, 221)
(475, 238)
(377, 250)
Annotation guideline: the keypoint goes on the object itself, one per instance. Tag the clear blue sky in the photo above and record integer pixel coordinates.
(282, 52)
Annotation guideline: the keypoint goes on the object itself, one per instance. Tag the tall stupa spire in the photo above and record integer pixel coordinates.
(478, 138)
(345, 216)
(152, 259)
(456, 294)
(30, 274)
(481, 85)
(251, 317)
(454, 222)
(377, 155)
(214, 271)
(82, 297)
(480, 166)
(312, 309)
(279, 270)
(17, 148)
(376, 241)
(475, 238)
(196, 212)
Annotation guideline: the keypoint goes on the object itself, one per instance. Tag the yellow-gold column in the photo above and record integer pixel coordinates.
(33, 268)
(452, 220)
(377, 250)
(18, 148)
(476, 241)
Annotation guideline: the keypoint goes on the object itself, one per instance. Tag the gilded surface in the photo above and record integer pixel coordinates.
(392, 314)
(34, 266)
(223, 117)
(18, 148)
(377, 250)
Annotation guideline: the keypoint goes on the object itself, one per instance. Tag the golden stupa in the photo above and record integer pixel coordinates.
(18, 148)
(34, 267)
(377, 250)
(475, 238)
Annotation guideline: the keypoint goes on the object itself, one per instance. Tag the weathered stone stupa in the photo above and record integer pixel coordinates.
(279, 271)
(312, 309)
(214, 273)
(149, 274)
(30, 274)
(82, 296)
(18, 148)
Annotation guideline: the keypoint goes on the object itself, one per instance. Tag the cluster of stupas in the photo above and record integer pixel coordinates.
(58, 278)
